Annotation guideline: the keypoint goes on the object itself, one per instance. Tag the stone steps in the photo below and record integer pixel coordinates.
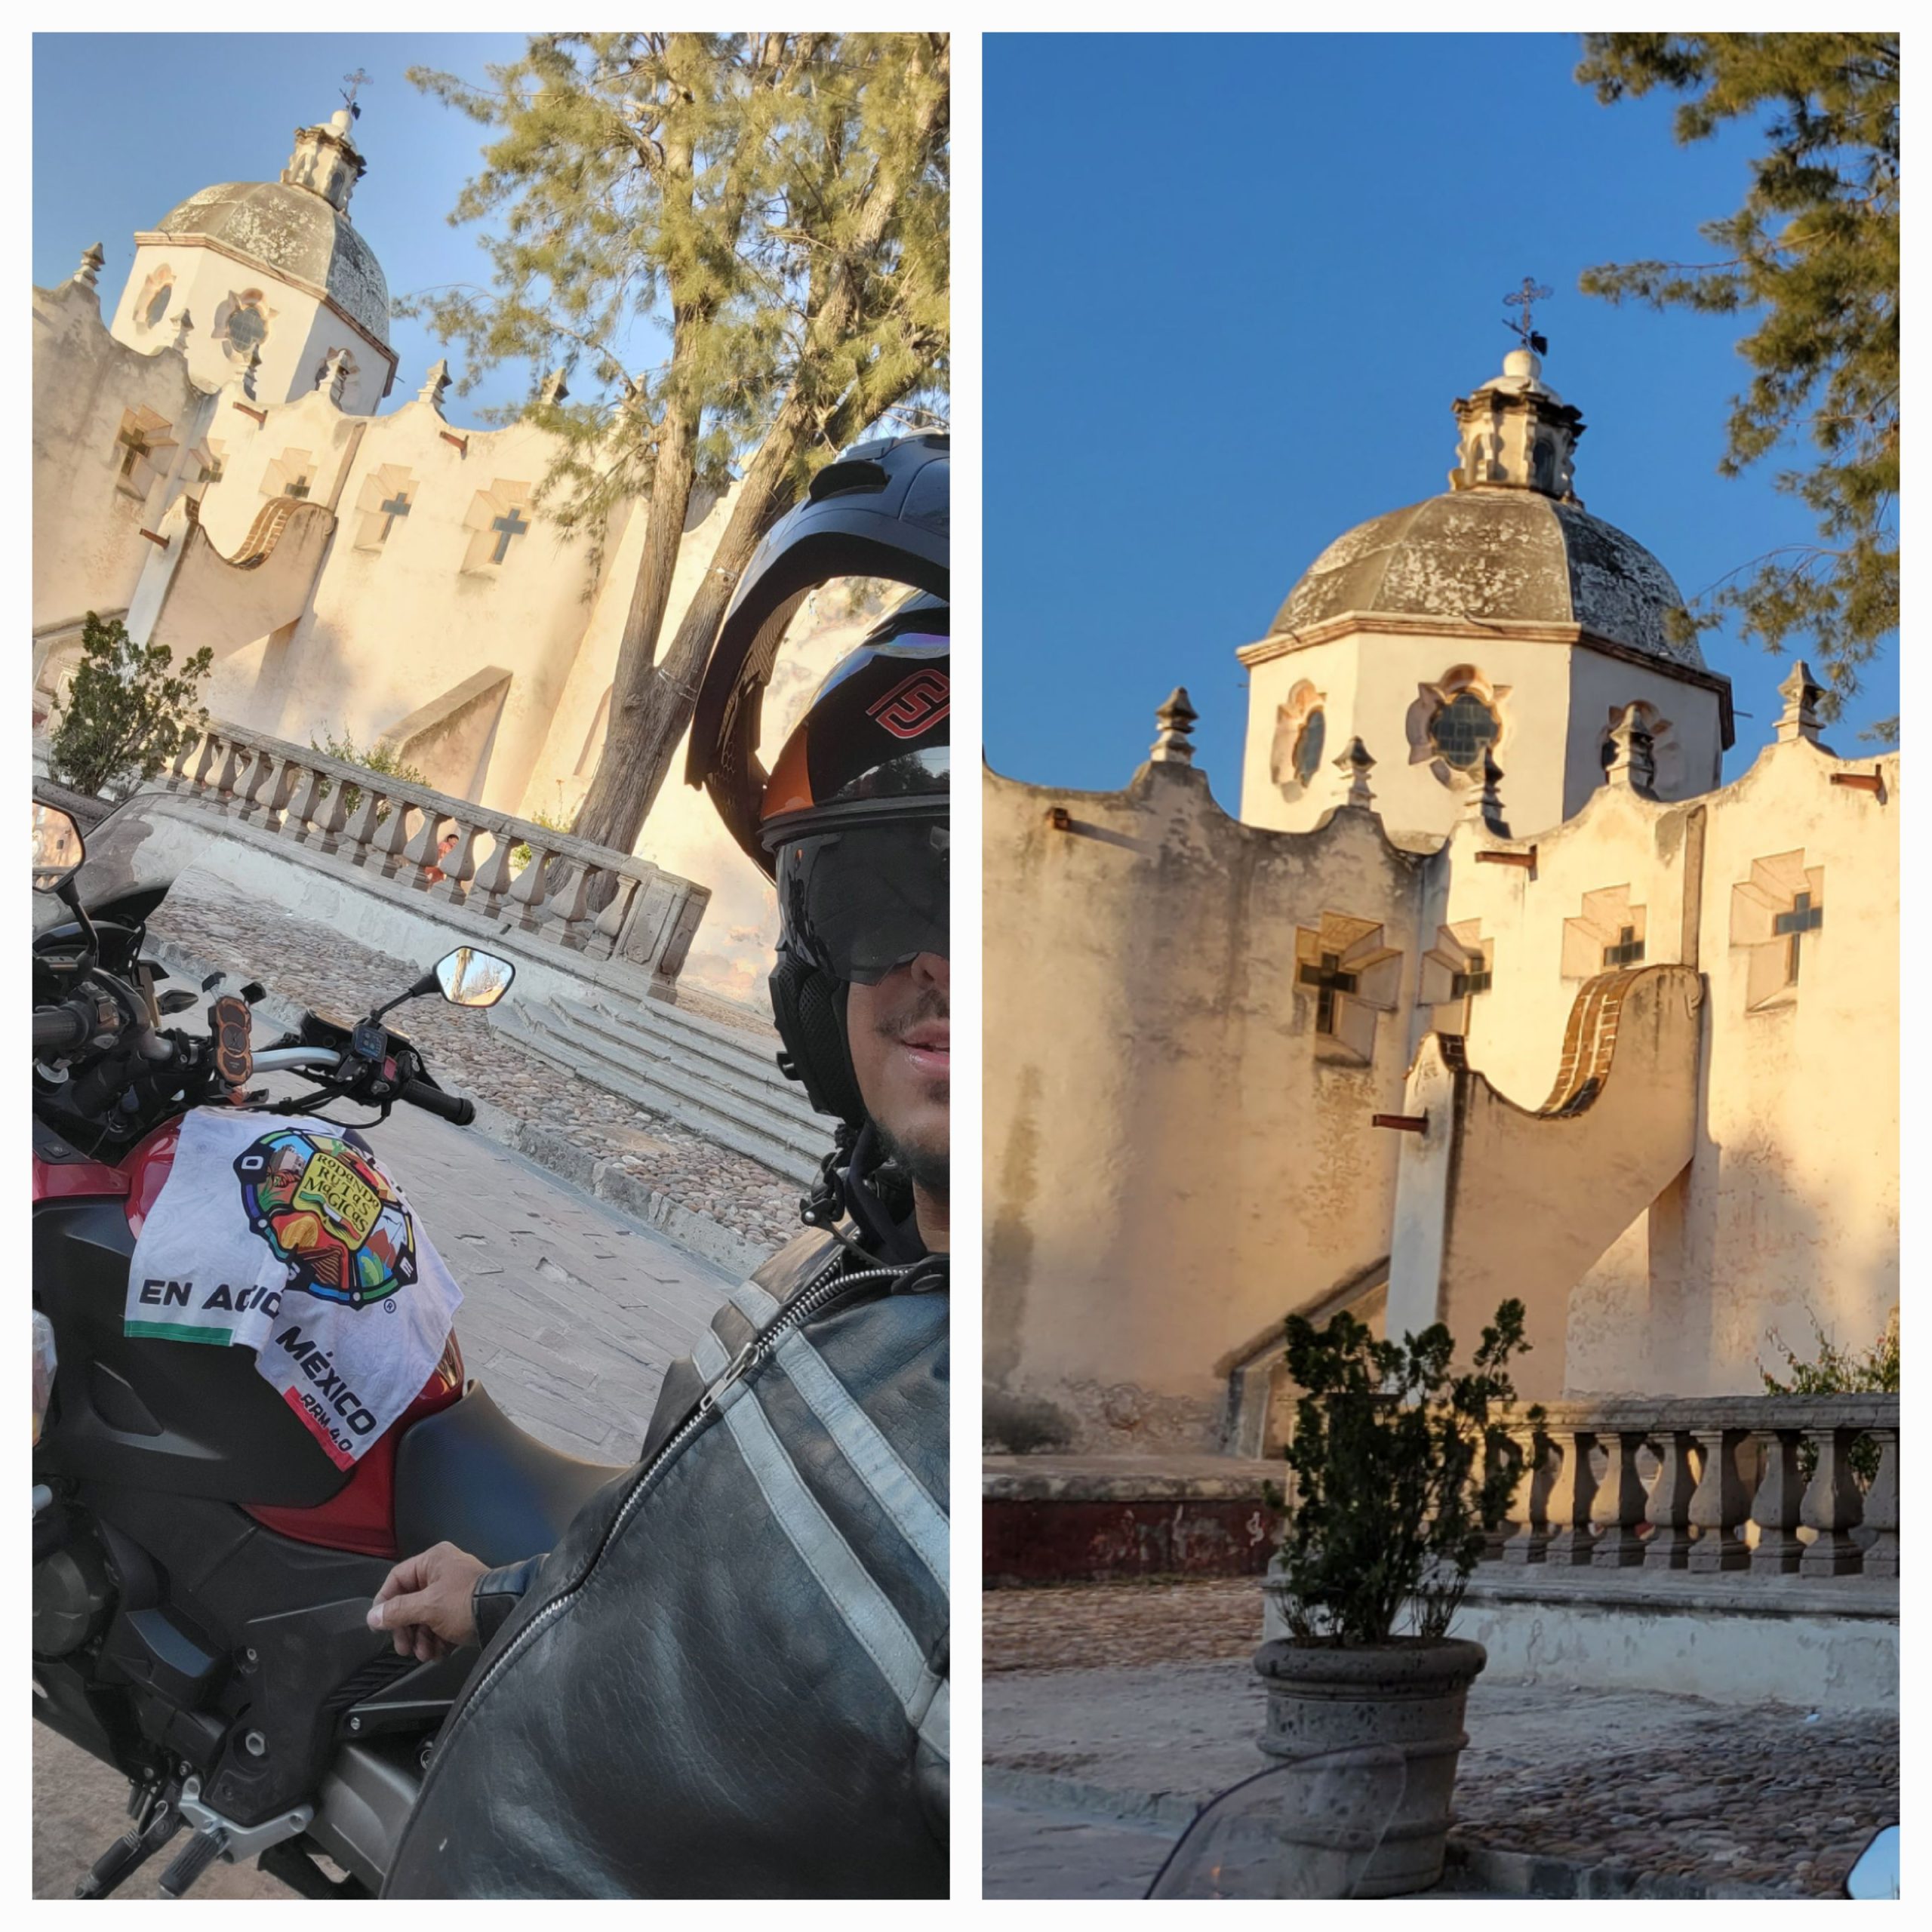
(657, 1070)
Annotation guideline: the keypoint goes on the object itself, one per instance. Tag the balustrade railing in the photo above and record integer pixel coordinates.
(522, 876)
(1709, 1485)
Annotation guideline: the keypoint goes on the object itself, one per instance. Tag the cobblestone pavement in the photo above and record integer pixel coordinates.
(570, 1314)
(312, 964)
(1770, 1797)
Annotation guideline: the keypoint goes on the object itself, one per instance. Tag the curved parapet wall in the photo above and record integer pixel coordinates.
(1494, 1200)
(191, 596)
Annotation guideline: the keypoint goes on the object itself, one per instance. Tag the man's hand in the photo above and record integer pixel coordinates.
(424, 1602)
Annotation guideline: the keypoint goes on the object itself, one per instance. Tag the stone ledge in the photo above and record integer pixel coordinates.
(1125, 1479)
(1734, 1593)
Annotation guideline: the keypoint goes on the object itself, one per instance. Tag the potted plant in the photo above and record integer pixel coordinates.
(1399, 1469)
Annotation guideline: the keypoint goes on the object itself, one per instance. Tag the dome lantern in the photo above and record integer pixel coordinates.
(1518, 433)
(326, 160)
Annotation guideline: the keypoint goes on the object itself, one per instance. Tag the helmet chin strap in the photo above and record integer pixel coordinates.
(846, 1191)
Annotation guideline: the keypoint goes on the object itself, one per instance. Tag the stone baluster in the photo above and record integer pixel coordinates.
(1620, 1502)
(1881, 1508)
(1530, 1509)
(1668, 1510)
(458, 866)
(1718, 1506)
(369, 812)
(495, 879)
(1831, 1506)
(610, 921)
(419, 855)
(210, 749)
(178, 779)
(251, 804)
(1572, 1496)
(1775, 1508)
(289, 775)
(572, 904)
(230, 769)
(304, 803)
(333, 820)
(392, 839)
(529, 889)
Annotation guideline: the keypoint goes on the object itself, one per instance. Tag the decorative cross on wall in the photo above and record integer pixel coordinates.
(136, 445)
(397, 505)
(1328, 979)
(1803, 918)
(1628, 950)
(508, 525)
(300, 487)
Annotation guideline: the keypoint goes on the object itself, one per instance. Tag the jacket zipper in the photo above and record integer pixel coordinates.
(806, 1303)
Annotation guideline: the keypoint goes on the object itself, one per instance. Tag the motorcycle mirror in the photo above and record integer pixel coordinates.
(470, 978)
(1876, 1874)
(58, 847)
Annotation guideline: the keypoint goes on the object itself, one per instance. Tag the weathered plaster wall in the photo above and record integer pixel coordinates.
(1173, 1160)
(1170, 1167)
(88, 553)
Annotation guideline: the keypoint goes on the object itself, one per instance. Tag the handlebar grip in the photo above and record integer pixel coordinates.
(61, 1029)
(455, 1108)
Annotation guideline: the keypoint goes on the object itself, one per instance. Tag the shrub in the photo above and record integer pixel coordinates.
(1400, 1468)
(128, 711)
(382, 759)
(1838, 1371)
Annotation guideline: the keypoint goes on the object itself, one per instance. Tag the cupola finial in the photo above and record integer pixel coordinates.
(1176, 719)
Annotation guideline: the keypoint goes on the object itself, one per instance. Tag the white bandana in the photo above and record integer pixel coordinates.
(285, 1235)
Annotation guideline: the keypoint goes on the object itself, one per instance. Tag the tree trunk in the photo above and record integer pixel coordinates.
(608, 816)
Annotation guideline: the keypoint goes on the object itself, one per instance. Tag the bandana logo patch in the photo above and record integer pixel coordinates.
(331, 1213)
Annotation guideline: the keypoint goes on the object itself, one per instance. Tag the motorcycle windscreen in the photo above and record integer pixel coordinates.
(1306, 1829)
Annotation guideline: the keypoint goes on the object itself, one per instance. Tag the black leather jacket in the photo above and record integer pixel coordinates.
(729, 1677)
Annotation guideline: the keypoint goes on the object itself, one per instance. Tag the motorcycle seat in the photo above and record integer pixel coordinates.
(468, 1475)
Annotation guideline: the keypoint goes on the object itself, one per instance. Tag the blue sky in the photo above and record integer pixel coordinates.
(1232, 284)
(166, 114)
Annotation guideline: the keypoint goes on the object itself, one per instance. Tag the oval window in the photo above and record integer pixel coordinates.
(1463, 730)
(1308, 746)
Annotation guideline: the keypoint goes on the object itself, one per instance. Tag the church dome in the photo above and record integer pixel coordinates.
(292, 233)
(1508, 542)
(1495, 554)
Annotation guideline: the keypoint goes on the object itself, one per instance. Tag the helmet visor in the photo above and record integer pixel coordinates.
(864, 899)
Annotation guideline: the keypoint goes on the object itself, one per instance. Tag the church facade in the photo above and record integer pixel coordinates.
(1491, 989)
(209, 464)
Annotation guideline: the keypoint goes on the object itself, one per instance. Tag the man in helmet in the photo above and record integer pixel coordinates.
(729, 1678)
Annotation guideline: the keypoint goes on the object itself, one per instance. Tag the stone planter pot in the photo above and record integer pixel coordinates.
(1410, 1693)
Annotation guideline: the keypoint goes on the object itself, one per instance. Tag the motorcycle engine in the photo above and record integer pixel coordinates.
(71, 1597)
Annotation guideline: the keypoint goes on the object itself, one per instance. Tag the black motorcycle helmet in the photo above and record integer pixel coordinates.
(852, 823)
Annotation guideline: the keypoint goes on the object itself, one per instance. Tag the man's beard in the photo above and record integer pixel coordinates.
(927, 1167)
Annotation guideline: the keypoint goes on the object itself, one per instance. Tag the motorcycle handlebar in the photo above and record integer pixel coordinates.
(62, 1029)
(454, 1108)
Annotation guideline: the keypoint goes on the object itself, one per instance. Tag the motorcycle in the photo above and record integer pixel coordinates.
(202, 1569)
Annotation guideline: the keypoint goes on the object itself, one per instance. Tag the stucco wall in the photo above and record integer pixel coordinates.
(1173, 1159)
(1170, 1167)
(88, 552)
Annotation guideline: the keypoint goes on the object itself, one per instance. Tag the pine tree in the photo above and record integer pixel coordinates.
(1812, 257)
(778, 203)
(127, 710)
